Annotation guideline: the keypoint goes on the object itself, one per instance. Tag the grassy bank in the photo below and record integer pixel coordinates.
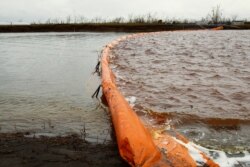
(106, 27)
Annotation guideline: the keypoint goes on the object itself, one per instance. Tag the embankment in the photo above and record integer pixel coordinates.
(106, 27)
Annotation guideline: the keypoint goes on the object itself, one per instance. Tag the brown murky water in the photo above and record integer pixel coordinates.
(196, 81)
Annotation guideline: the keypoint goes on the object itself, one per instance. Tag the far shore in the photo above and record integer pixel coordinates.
(110, 27)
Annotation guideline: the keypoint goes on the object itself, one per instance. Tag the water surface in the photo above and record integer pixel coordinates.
(46, 83)
(197, 82)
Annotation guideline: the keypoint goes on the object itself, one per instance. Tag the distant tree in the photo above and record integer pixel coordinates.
(97, 20)
(68, 19)
(75, 19)
(151, 18)
(159, 21)
(83, 19)
(216, 15)
(139, 19)
(185, 21)
(48, 21)
(118, 20)
(130, 18)
(55, 21)
(234, 17)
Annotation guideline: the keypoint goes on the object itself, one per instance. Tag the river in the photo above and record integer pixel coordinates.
(46, 83)
(195, 82)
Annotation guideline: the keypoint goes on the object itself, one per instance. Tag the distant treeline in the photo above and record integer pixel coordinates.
(133, 23)
(215, 16)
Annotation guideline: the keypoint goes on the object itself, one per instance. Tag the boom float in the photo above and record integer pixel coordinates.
(136, 144)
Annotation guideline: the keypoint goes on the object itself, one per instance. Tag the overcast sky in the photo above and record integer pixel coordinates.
(41, 10)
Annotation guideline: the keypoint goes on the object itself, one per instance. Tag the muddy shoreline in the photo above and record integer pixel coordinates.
(18, 150)
(91, 27)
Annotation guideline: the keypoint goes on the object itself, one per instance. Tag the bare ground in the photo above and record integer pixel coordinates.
(71, 151)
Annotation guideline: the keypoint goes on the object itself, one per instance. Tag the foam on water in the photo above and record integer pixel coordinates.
(131, 100)
(220, 157)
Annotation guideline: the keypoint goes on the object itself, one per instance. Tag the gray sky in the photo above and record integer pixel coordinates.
(41, 10)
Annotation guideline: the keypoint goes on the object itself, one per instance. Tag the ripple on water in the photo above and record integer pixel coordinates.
(46, 83)
(191, 78)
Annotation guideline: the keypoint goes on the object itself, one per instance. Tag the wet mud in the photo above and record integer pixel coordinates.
(17, 149)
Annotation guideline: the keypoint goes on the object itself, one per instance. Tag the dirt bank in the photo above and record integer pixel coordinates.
(17, 150)
(106, 27)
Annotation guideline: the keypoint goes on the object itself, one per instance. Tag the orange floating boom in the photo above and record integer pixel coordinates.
(218, 28)
(135, 142)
